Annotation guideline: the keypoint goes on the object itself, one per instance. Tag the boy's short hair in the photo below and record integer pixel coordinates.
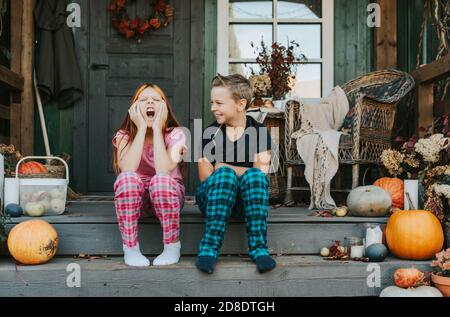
(239, 86)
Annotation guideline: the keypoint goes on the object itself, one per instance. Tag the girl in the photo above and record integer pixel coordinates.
(148, 149)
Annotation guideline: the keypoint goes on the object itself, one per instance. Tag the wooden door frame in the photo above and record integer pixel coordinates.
(80, 127)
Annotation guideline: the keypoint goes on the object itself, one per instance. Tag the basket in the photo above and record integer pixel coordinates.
(41, 194)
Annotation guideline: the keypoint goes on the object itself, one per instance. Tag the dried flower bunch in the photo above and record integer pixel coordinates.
(415, 157)
(261, 85)
(12, 157)
(430, 148)
(441, 265)
(279, 62)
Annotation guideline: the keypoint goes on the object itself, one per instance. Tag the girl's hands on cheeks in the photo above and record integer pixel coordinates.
(160, 117)
(137, 117)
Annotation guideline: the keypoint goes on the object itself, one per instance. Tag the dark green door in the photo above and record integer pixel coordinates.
(117, 66)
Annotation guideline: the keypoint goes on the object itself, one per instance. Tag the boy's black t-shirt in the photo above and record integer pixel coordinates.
(218, 148)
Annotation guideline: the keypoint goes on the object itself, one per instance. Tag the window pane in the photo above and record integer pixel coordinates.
(244, 69)
(300, 9)
(308, 81)
(307, 35)
(241, 35)
(240, 9)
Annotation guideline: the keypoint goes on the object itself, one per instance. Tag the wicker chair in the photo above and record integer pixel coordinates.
(372, 125)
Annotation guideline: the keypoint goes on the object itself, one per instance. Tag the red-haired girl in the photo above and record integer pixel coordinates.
(148, 150)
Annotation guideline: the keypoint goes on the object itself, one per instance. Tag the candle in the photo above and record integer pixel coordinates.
(357, 251)
(11, 191)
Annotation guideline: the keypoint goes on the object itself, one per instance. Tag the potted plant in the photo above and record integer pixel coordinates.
(441, 272)
(279, 62)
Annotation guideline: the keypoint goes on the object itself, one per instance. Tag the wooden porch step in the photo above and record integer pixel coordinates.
(91, 228)
(234, 277)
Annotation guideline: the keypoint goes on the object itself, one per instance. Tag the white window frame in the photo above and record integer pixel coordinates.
(327, 21)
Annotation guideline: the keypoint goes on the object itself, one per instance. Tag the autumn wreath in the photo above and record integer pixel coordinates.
(136, 28)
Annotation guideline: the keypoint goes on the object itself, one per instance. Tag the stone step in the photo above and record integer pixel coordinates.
(234, 277)
(91, 228)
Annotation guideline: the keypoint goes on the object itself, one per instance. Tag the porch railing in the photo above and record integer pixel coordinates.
(426, 77)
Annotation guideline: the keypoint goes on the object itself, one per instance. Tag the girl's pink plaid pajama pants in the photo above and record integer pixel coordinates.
(162, 195)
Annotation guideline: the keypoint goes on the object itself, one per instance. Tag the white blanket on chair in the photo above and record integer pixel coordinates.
(318, 144)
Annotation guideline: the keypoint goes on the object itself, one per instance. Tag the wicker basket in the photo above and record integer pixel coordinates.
(277, 189)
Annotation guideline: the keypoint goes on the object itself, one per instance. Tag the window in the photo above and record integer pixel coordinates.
(308, 22)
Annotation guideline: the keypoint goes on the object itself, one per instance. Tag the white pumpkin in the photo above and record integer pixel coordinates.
(421, 291)
(369, 201)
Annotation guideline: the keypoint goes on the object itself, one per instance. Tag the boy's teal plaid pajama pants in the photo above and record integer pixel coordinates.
(222, 195)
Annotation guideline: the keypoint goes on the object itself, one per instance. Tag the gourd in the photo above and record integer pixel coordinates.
(407, 277)
(34, 209)
(369, 201)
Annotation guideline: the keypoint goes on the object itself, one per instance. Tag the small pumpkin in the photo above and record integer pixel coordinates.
(369, 201)
(33, 242)
(395, 187)
(421, 291)
(414, 234)
(376, 252)
(408, 277)
(32, 167)
(14, 210)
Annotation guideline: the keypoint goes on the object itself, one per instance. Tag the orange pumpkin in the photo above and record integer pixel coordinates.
(32, 167)
(395, 187)
(414, 234)
(33, 242)
(408, 277)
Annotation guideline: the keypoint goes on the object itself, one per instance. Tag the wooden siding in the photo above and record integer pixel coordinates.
(353, 41)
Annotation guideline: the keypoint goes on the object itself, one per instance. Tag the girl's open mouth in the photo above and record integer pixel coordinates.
(150, 113)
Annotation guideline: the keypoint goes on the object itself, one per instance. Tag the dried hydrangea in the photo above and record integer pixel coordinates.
(431, 147)
(412, 161)
(392, 160)
(261, 84)
(441, 265)
(442, 190)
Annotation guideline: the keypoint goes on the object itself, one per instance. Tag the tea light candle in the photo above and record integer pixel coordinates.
(357, 251)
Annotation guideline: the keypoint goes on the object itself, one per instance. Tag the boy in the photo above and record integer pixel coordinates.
(234, 162)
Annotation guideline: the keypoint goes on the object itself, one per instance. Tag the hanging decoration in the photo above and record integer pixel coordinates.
(136, 28)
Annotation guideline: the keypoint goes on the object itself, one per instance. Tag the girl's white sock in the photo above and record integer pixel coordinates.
(170, 255)
(134, 257)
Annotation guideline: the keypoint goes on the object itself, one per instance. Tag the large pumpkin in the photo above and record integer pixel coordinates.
(414, 234)
(369, 201)
(32, 167)
(33, 242)
(395, 187)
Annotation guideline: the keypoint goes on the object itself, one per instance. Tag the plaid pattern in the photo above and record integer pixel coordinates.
(222, 195)
(135, 197)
